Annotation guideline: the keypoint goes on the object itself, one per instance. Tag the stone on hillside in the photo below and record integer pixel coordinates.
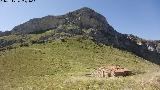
(110, 71)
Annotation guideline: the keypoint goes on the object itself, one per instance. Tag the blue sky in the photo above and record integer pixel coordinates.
(138, 17)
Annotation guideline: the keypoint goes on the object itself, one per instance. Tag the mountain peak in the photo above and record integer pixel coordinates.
(86, 22)
(86, 9)
(84, 18)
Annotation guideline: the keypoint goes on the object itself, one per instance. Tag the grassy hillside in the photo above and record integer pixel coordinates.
(63, 64)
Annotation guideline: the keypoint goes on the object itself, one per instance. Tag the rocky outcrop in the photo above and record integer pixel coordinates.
(84, 18)
(110, 71)
(90, 24)
(6, 33)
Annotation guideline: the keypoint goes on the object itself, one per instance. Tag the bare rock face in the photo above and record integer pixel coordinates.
(84, 18)
(38, 25)
(6, 33)
(158, 47)
(110, 71)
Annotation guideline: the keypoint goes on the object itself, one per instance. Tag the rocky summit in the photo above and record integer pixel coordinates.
(87, 23)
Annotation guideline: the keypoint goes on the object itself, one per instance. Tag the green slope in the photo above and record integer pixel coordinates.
(63, 64)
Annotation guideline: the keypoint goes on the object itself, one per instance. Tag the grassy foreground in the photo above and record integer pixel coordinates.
(62, 65)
